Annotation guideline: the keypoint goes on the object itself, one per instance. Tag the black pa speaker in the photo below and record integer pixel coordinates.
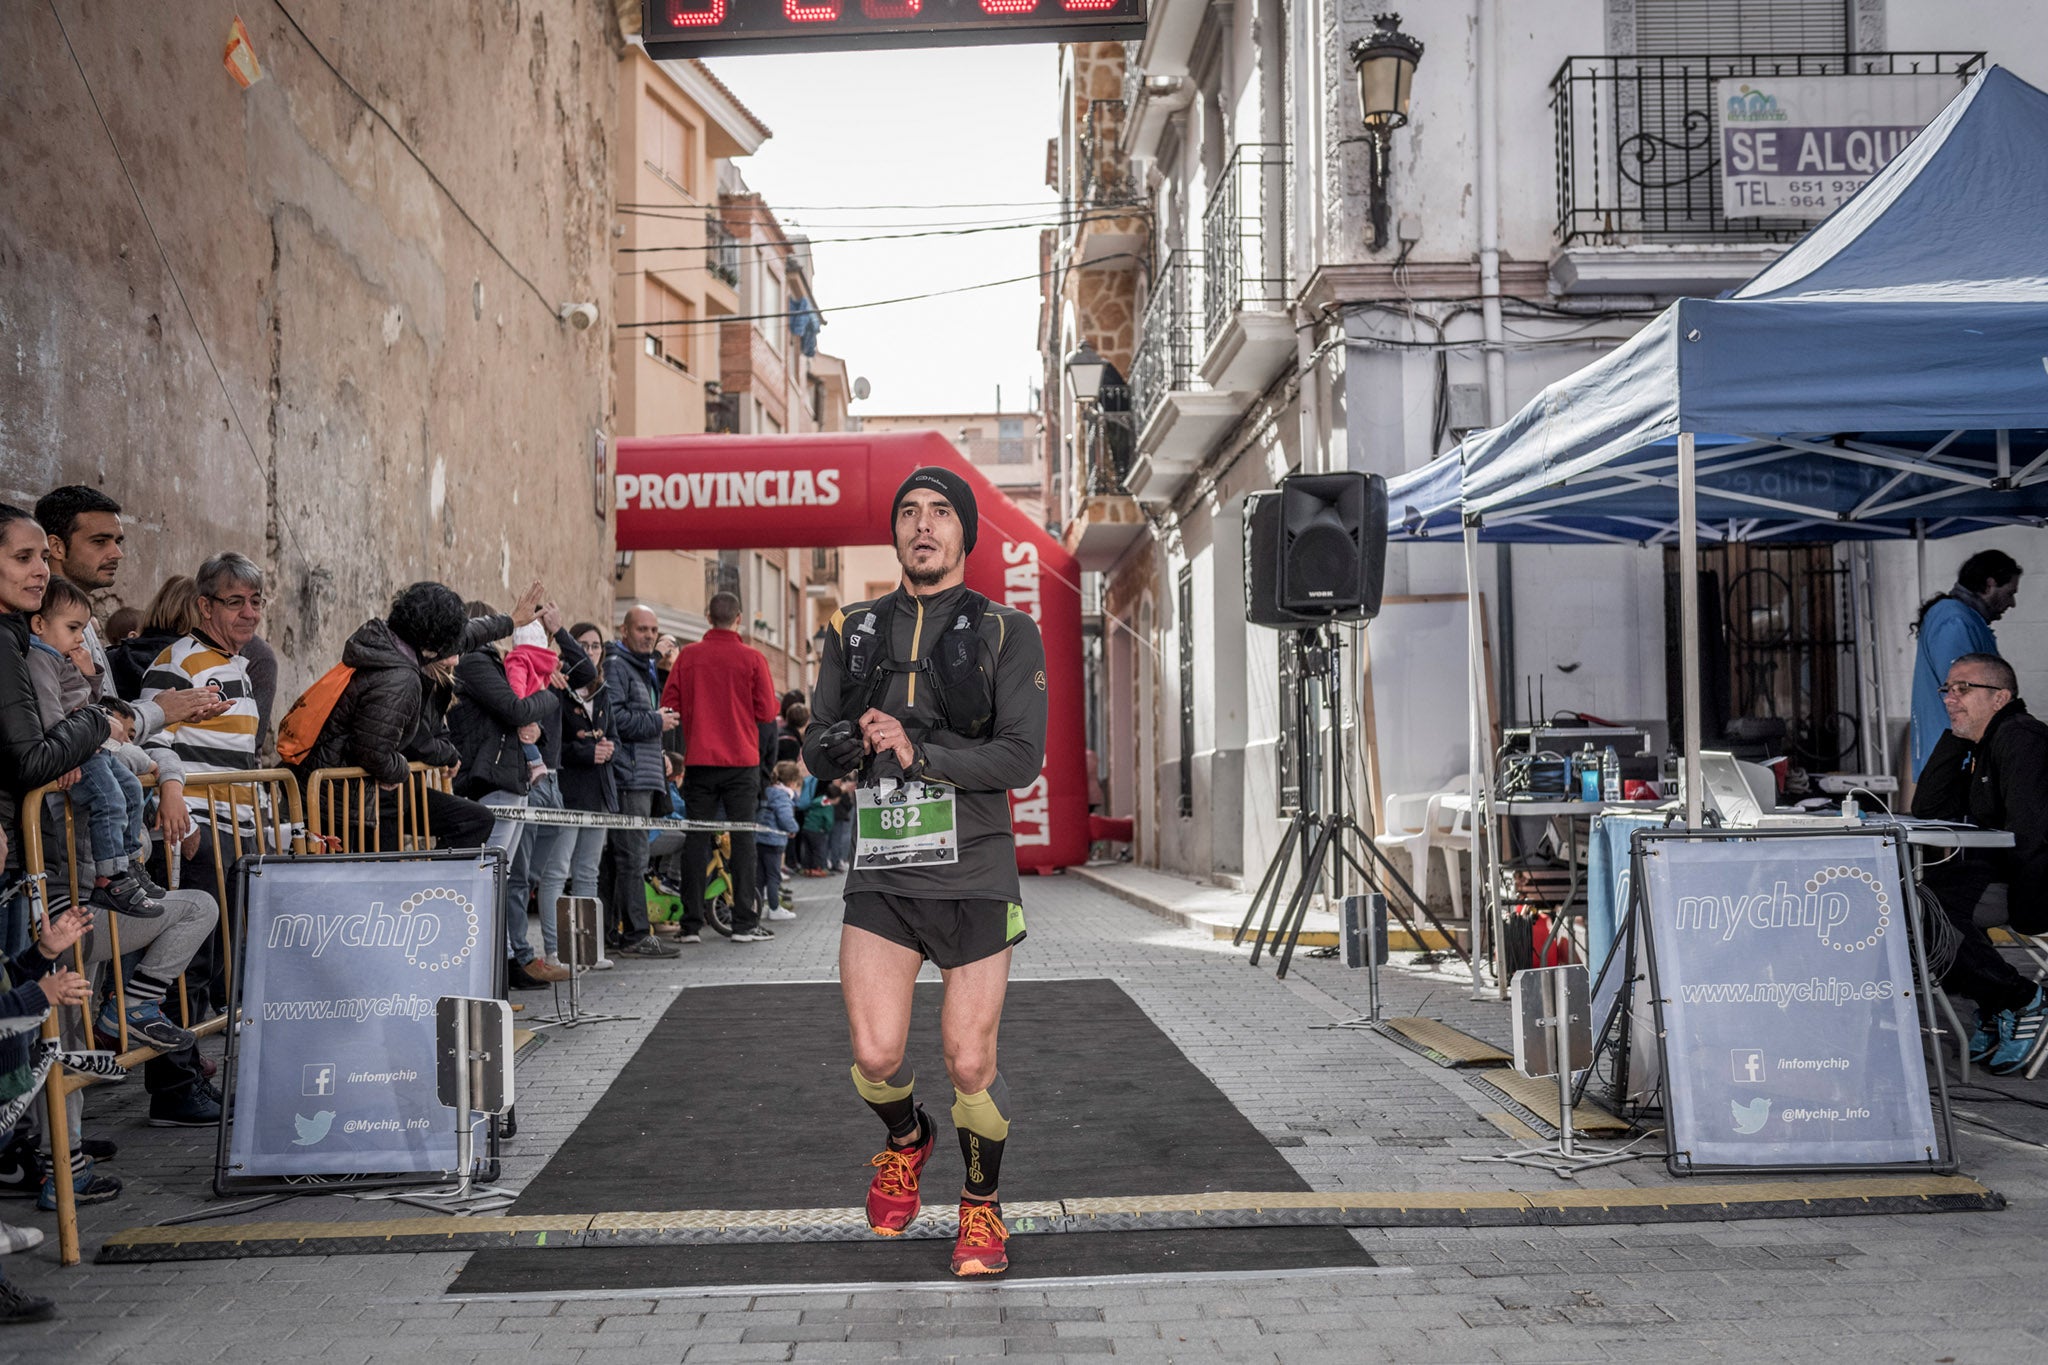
(1262, 568)
(1333, 544)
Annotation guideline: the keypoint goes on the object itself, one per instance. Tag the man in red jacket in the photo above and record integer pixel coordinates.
(721, 689)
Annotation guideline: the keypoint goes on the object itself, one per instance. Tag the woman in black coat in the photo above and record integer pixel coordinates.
(30, 756)
(392, 711)
(491, 725)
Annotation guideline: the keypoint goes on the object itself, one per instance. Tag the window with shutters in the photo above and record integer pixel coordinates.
(1680, 182)
(669, 319)
(668, 143)
(1745, 26)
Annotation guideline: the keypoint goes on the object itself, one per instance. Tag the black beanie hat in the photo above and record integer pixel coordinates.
(949, 486)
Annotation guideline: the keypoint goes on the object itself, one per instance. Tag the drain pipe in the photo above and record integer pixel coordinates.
(1486, 33)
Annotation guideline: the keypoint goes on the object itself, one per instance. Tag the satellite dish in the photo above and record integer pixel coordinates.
(861, 387)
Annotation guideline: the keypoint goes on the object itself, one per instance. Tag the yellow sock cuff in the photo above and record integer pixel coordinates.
(979, 1113)
(883, 1092)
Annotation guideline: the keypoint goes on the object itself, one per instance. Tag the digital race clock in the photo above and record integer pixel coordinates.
(696, 28)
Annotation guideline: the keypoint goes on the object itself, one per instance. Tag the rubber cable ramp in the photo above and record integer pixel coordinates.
(1442, 1044)
(532, 1237)
(1534, 1101)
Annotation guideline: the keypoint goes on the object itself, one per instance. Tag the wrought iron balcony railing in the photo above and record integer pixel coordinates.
(1107, 441)
(1638, 147)
(721, 252)
(1169, 338)
(1104, 172)
(1244, 236)
(721, 413)
(1134, 75)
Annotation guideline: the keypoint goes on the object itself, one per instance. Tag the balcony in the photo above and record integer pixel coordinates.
(721, 412)
(1104, 174)
(721, 252)
(1177, 416)
(1106, 520)
(1245, 312)
(1639, 172)
(1112, 227)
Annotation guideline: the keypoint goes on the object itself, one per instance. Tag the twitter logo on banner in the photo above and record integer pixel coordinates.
(1749, 1118)
(314, 1130)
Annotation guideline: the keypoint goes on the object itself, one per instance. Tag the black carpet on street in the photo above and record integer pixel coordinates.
(740, 1098)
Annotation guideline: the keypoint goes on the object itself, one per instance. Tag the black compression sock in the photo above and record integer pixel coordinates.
(893, 1103)
(983, 1129)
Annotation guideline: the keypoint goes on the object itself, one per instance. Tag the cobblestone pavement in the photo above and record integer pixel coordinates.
(1348, 1108)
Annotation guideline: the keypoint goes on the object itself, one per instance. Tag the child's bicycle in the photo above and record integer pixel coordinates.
(667, 909)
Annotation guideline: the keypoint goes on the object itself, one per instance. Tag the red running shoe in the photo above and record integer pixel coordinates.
(979, 1248)
(892, 1194)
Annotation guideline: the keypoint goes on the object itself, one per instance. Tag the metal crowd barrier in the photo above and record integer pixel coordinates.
(344, 806)
(269, 799)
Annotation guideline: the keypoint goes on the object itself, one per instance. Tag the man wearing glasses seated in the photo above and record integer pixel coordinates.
(1990, 768)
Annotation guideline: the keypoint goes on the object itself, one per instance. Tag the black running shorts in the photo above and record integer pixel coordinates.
(949, 933)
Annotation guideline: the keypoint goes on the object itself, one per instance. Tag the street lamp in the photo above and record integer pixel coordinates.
(1385, 60)
(1085, 368)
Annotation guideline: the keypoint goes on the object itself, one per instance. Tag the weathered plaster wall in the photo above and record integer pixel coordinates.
(394, 401)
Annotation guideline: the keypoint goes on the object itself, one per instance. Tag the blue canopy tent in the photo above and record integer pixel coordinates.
(1885, 377)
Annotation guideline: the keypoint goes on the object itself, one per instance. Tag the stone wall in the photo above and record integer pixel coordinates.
(315, 320)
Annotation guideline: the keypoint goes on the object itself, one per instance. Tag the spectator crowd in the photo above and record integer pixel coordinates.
(513, 708)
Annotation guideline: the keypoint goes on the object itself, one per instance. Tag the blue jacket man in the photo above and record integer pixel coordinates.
(1954, 624)
(633, 691)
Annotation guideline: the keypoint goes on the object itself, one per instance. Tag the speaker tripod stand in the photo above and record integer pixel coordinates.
(1327, 839)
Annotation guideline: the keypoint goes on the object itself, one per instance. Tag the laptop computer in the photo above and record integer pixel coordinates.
(1728, 792)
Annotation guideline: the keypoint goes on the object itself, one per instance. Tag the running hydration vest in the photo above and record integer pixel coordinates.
(962, 682)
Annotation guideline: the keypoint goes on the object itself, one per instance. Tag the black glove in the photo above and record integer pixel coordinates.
(842, 746)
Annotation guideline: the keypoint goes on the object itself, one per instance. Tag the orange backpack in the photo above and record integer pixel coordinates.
(308, 716)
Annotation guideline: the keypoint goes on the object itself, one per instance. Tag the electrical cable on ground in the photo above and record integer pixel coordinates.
(1993, 1092)
(1980, 1121)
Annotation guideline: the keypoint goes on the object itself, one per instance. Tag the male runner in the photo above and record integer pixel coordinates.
(935, 696)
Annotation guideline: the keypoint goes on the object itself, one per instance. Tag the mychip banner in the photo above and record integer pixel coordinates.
(332, 1064)
(1799, 146)
(1783, 971)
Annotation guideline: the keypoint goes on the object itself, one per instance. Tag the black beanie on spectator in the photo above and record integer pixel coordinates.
(953, 489)
(429, 618)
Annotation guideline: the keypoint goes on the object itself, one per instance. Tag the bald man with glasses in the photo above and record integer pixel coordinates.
(1990, 769)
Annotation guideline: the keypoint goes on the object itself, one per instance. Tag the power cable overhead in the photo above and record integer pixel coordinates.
(1035, 277)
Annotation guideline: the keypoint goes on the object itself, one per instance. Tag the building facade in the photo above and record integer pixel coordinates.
(1007, 447)
(717, 335)
(1549, 192)
(317, 319)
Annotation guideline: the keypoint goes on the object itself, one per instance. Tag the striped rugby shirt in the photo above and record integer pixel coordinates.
(228, 741)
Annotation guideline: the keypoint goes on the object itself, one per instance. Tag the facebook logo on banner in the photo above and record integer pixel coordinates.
(1749, 1066)
(318, 1079)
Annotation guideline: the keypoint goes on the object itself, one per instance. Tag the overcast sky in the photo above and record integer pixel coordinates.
(933, 127)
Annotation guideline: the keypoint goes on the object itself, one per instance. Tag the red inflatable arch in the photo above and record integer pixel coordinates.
(744, 492)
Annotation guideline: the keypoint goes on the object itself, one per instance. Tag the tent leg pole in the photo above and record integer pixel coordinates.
(1882, 744)
(1486, 927)
(1920, 559)
(1689, 624)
